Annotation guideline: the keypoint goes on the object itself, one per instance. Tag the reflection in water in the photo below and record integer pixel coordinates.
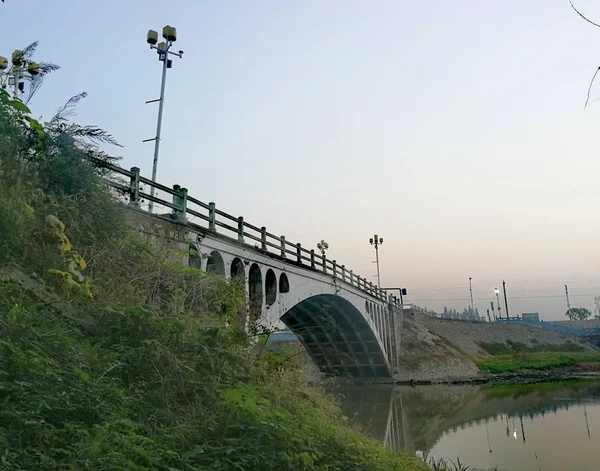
(547, 426)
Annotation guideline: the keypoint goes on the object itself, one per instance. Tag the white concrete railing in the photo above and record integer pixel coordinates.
(217, 221)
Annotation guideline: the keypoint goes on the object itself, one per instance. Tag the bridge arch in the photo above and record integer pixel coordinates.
(270, 287)
(255, 292)
(238, 272)
(215, 263)
(337, 336)
(237, 269)
(284, 283)
(194, 258)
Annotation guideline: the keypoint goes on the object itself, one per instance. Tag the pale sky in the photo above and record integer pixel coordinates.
(453, 129)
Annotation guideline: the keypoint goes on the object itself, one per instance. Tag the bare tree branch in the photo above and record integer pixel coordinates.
(587, 100)
(29, 50)
(580, 14)
(68, 109)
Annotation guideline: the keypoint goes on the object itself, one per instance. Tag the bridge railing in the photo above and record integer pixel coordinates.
(185, 208)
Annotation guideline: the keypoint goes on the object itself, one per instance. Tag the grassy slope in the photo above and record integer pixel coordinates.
(536, 361)
(131, 367)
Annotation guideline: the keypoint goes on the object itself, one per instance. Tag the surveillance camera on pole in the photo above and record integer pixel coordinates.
(163, 49)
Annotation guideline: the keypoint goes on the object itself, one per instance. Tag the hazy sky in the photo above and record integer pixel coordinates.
(454, 129)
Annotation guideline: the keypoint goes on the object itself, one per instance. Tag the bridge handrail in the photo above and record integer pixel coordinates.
(180, 206)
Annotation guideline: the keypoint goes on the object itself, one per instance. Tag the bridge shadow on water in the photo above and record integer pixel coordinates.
(415, 418)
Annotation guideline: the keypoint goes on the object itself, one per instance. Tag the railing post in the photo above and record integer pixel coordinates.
(263, 238)
(180, 200)
(343, 272)
(299, 253)
(334, 267)
(324, 261)
(134, 187)
(282, 239)
(241, 229)
(352, 277)
(312, 259)
(371, 287)
(212, 217)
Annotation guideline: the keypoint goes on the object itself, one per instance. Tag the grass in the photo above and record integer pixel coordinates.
(510, 348)
(536, 361)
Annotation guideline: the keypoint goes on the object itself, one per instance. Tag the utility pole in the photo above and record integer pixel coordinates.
(471, 291)
(505, 299)
(568, 302)
(488, 313)
(493, 310)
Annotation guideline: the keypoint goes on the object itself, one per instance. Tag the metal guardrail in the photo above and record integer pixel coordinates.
(556, 327)
(235, 228)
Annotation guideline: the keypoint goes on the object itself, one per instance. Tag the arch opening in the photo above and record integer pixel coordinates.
(238, 274)
(338, 337)
(284, 284)
(215, 264)
(270, 287)
(255, 290)
(194, 258)
(237, 269)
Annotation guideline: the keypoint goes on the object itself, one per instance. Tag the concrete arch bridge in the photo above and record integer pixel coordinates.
(347, 325)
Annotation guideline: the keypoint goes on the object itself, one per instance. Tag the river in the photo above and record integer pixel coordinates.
(547, 426)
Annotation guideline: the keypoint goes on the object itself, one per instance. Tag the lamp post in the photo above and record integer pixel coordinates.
(323, 246)
(169, 33)
(21, 68)
(497, 291)
(377, 241)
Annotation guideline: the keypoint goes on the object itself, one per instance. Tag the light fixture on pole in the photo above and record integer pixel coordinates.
(163, 49)
(13, 75)
(377, 241)
(323, 246)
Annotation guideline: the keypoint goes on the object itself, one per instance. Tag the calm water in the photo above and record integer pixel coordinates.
(486, 426)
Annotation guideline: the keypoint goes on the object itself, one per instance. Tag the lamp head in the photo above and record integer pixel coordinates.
(496, 290)
(33, 68)
(169, 33)
(17, 57)
(381, 240)
(152, 37)
(371, 241)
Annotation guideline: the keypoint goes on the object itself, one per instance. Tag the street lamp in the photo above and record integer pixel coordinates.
(323, 246)
(21, 69)
(377, 241)
(497, 291)
(163, 49)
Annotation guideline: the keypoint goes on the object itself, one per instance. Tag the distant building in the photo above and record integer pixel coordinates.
(531, 316)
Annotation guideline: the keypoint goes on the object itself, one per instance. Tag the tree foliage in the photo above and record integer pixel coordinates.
(578, 313)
